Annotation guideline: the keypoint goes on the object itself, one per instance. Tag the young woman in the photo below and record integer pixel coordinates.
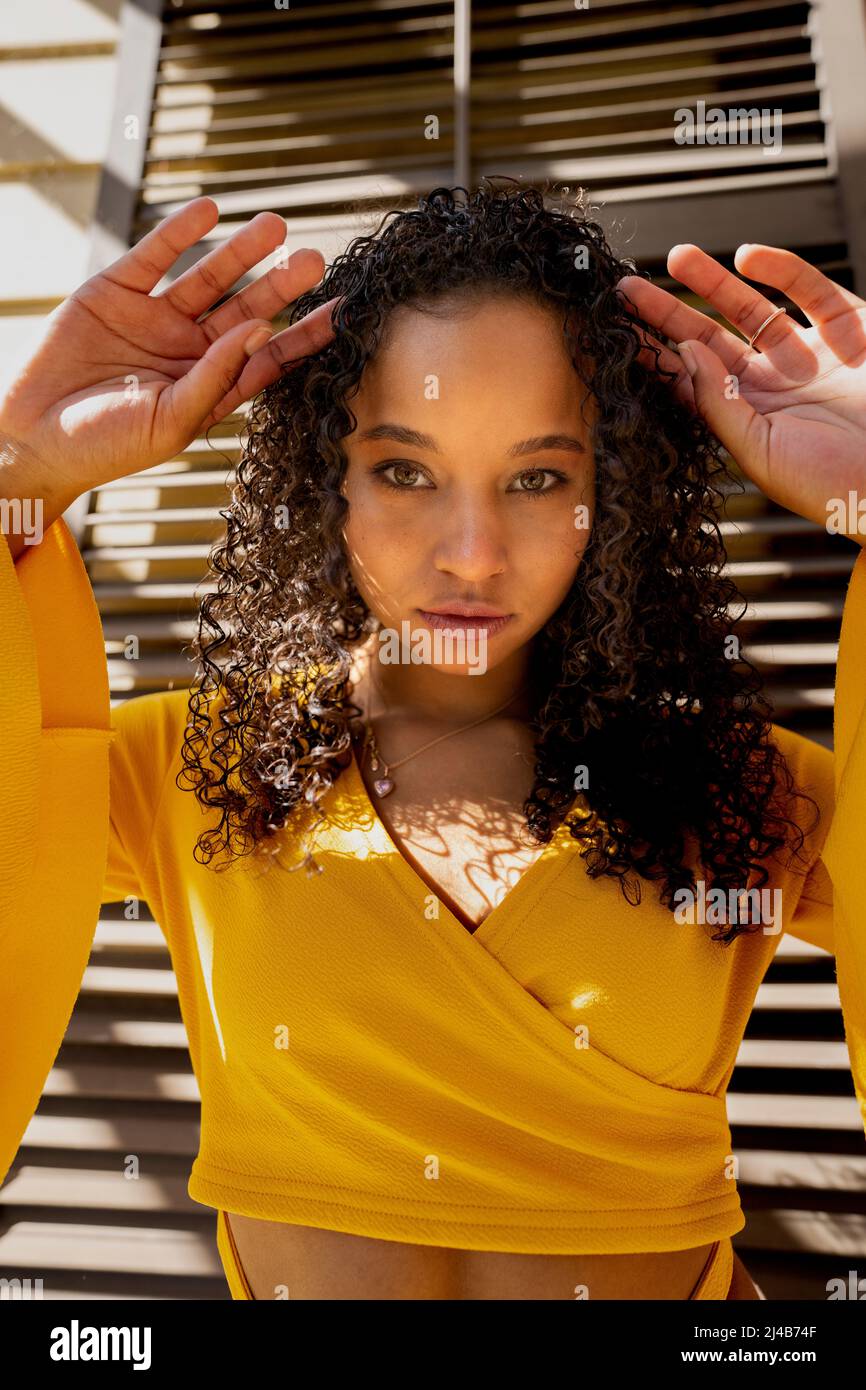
(492, 838)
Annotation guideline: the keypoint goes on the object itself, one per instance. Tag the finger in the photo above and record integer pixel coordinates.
(656, 357)
(187, 404)
(679, 321)
(268, 295)
(214, 274)
(301, 340)
(147, 262)
(819, 297)
(744, 307)
(744, 432)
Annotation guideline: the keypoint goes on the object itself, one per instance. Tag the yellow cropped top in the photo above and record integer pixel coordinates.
(553, 1083)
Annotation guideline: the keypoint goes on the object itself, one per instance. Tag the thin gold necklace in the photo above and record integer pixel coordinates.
(383, 783)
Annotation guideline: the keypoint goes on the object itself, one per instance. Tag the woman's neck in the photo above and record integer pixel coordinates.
(425, 694)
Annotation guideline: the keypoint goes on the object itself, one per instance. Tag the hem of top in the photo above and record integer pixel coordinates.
(512, 1230)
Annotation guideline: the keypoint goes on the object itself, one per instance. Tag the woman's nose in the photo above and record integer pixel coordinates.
(472, 542)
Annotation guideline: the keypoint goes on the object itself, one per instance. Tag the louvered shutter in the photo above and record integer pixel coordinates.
(319, 112)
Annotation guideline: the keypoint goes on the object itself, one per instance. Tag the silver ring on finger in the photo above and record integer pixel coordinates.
(769, 319)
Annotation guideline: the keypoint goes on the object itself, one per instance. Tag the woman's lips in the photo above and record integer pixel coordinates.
(461, 622)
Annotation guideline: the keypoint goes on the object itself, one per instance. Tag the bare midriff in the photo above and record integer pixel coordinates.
(281, 1260)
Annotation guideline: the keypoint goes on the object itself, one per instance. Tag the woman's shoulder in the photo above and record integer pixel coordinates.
(156, 721)
(811, 765)
(148, 730)
(807, 758)
(151, 715)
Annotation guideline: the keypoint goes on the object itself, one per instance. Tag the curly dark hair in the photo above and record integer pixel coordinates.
(631, 676)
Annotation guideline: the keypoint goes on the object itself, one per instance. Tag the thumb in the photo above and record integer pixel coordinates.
(743, 431)
(192, 398)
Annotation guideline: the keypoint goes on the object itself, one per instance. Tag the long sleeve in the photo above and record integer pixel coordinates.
(813, 918)
(843, 857)
(144, 737)
(62, 852)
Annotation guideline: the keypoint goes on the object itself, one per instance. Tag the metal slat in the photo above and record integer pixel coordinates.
(154, 1250)
(263, 111)
(95, 1189)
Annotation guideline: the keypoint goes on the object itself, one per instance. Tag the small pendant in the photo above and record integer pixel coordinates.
(383, 786)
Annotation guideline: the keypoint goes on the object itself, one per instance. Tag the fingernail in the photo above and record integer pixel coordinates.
(688, 357)
(257, 339)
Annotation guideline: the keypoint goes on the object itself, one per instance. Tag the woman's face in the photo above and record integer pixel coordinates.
(470, 472)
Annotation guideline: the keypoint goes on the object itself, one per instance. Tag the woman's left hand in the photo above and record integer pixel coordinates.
(791, 410)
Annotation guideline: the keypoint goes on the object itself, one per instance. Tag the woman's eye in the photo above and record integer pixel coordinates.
(401, 470)
(536, 480)
(406, 479)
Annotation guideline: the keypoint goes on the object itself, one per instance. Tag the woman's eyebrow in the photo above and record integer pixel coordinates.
(541, 442)
(414, 438)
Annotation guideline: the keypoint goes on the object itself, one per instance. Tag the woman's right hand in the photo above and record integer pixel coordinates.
(124, 379)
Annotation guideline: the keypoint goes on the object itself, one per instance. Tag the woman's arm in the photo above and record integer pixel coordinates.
(844, 853)
(80, 789)
(22, 482)
(122, 380)
(792, 411)
(54, 713)
(831, 910)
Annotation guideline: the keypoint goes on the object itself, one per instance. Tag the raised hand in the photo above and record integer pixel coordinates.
(124, 378)
(792, 409)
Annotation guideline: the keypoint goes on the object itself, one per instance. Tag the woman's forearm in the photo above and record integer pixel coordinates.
(30, 498)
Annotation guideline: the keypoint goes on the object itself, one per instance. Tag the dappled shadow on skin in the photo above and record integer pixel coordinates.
(468, 846)
(470, 852)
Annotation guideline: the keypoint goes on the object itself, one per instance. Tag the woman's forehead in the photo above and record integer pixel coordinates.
(501, 342)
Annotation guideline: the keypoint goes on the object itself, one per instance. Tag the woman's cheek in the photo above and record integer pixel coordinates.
(564, 535)
(563, 550)
(379, 560)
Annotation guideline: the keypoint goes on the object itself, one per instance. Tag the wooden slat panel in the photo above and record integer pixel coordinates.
(318, 112)
(585, 99)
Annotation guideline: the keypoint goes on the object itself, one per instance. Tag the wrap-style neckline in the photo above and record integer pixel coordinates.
(520, 896)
